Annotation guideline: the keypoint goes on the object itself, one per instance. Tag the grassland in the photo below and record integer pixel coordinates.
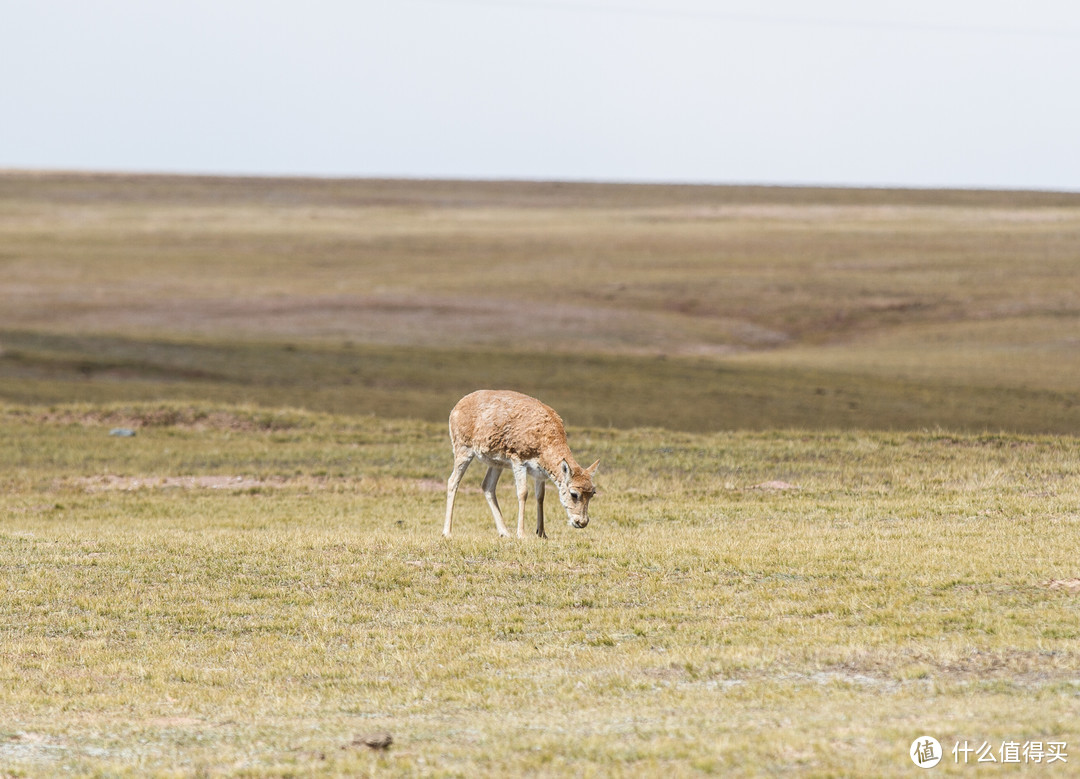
(243, 592)
(839, 498)
(603, 390)
(769, 307)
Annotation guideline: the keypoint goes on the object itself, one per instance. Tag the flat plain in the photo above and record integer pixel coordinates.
(839, 501)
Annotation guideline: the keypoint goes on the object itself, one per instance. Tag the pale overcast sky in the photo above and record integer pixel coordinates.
(916, 93)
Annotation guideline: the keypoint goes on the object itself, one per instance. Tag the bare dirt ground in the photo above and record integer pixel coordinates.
(112, 483)
(395, 319)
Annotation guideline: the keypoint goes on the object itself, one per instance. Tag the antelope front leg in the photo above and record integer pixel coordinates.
(490, 480)
(540, 506)
(521, 481)
(461, 464)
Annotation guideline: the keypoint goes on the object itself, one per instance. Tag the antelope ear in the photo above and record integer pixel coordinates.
(591, 470)
(566, 469)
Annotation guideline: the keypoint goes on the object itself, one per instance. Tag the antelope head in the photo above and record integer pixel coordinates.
(575, 490)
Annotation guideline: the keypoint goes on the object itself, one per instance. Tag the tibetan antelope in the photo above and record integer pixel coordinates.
(506, 429)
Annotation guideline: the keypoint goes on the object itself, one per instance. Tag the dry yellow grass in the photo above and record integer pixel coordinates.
(673, 269)
(162, 617)
(244, 590)
(771, 306)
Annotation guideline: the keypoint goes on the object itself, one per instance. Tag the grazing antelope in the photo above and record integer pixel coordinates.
(509, 430)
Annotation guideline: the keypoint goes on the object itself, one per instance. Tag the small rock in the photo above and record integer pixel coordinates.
(122, 432)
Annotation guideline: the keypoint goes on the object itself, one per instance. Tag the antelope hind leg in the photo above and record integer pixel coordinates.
(490, 480)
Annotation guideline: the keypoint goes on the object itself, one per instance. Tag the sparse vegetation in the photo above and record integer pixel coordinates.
(891, 585)
(839, 502)
(770, 307)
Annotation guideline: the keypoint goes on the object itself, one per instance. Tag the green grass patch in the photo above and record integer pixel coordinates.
(600, 390)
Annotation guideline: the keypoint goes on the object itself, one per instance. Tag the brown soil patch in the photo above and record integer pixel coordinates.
(775, 486)
(396, 319)
(110, 483)
(175, 416)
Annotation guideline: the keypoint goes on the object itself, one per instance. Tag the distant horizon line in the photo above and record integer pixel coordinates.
(584, 181)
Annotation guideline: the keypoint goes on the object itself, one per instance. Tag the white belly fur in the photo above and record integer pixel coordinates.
(496, 460)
